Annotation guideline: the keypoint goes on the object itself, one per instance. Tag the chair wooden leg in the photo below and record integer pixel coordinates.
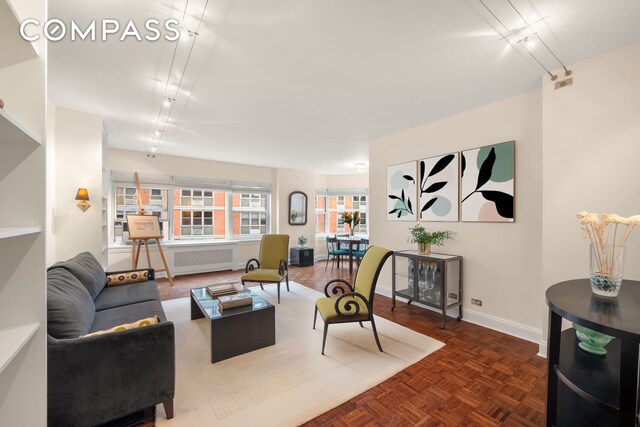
(375, 333)
(327, 264)
(261, 286)
(168, 408)
(287, 279)
(361, 325)
(324, 336)
(278, 292)
(315, 316)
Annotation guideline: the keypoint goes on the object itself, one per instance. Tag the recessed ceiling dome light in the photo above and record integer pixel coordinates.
(360, 166)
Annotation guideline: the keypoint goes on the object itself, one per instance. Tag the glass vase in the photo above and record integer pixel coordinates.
(606, 268)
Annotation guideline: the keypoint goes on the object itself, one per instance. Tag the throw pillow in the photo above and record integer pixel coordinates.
(87, 269)
(127, 278)
(137, 324)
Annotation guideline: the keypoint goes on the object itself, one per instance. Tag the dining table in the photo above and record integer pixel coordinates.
(350, 241)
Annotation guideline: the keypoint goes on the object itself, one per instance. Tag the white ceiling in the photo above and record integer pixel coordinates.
(306, 84)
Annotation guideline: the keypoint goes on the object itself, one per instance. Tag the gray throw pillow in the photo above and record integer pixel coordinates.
(70, 308)
(88, 270)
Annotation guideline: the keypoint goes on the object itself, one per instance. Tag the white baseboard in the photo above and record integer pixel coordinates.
(542, 349)
(492, 322)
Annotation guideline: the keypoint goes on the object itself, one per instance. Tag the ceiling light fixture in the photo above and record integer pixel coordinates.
(168, 101)
(530, 42)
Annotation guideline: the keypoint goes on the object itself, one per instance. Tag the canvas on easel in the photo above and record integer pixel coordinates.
(143, 228)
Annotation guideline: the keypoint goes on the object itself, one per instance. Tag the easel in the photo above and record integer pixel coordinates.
(143, 228)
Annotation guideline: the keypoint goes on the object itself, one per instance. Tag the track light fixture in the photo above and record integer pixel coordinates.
(530, 43)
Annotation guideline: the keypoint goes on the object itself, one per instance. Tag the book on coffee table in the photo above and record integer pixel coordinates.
(221, 289)
(226, 302)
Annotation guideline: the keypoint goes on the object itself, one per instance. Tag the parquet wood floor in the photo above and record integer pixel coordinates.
(480, 378)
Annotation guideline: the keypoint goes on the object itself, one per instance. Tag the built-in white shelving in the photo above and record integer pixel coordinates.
(14, 48)
(12, 340)
(23, 378)
(7, 232)
(13, 132)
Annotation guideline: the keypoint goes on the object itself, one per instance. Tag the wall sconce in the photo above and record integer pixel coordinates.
(83, 196)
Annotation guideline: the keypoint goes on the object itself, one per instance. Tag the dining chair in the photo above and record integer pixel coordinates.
(346, 303)
(334, 252)
(362, 248)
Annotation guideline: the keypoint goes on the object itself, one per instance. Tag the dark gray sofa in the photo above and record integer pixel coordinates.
(97, 379)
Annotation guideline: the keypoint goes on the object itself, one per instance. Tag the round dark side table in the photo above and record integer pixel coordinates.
(583, 388)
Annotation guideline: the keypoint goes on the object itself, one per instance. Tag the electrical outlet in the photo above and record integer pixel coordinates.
(476, 302)
(453, 296)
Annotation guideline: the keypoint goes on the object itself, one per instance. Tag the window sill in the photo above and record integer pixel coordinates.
(120, 247)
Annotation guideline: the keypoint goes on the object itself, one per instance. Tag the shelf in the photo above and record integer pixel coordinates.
(12, 340)
(405, 293)
(6, 233)
(12, 132)
(14, 48)
(594, 378)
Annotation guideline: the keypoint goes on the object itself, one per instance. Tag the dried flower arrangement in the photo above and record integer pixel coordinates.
(608, 234)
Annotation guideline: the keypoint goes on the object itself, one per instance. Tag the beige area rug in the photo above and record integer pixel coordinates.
(288, 383)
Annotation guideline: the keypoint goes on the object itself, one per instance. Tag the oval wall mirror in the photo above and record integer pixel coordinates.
(297, 208)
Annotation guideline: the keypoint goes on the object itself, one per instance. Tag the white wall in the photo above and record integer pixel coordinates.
(502, 262)
(78, 163)
(135, 161)
(287, 181)
(591, 150)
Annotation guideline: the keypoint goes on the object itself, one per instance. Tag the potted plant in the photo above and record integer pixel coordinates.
(302, 240)
(425, 239)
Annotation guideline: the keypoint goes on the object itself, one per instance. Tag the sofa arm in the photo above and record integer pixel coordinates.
(96, 379)
(152, 275)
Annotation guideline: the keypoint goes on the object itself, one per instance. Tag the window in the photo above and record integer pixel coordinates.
(321, 214)
(193, 208)
(154, 200)
(329, 209)
(249, 213)
(199, 214)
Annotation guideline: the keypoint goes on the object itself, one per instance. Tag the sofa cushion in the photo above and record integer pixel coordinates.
(116, 296)
(107, 319)
(88, 270)
(128, 277)
(70, 308)
(137, 324)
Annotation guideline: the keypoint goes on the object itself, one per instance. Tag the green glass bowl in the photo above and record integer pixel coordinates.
(591, 341)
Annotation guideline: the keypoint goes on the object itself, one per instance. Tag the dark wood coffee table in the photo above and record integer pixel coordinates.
(235, 331)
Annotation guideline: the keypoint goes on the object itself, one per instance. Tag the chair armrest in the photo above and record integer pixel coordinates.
(283, 269)
(95, 379)
(250, 267)
(347, 304)
(337, 287)
(151, 271)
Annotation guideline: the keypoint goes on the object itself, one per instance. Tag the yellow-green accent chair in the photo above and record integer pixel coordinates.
(349, 303)
(271, 267)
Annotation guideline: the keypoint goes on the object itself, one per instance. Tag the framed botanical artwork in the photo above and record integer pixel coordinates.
(438, 188)
(401, 192)
(487, 183)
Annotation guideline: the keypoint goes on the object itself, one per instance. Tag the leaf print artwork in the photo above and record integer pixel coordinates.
(401, 190)
(488, 183)
(438, 190)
